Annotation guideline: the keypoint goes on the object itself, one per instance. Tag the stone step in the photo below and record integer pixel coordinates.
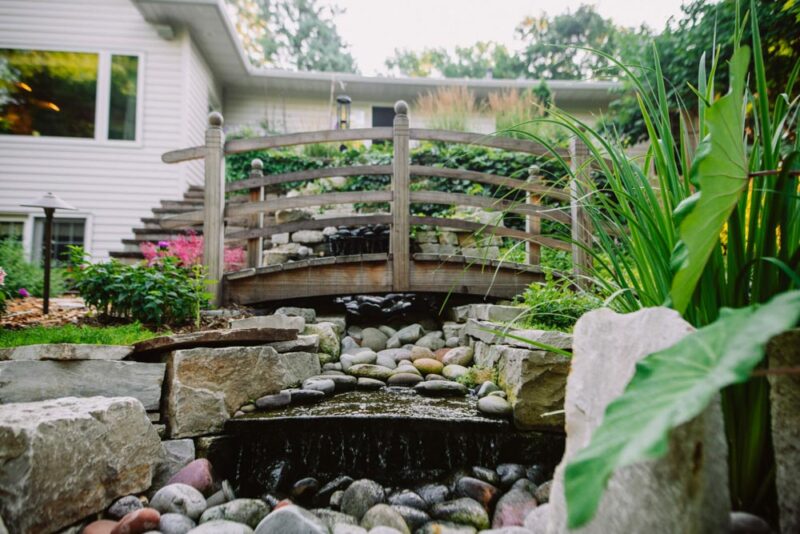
(180, 204)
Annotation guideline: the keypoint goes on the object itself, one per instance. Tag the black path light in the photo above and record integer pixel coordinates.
(50, 203)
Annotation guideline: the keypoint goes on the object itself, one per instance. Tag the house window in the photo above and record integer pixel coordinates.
(56, 94)
(11, 230)
(382, 116)
(66, 232)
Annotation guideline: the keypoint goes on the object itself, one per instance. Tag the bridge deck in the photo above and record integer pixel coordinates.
(372, 273)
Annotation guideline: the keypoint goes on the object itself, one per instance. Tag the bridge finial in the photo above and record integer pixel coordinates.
(401, 107)
(257, 165)
(215, 119)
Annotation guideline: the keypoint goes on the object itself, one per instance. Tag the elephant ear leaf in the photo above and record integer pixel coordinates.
(719, 171)
(669, 388)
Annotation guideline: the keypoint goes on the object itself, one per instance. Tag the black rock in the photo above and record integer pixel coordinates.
(408, 498)
(433, 493)
(339, 483)
(360, 496)
(304, 490)
(537, 474)
(486, 474)
(124, 505)
(413, 517)
(510, 473)
(306, 396)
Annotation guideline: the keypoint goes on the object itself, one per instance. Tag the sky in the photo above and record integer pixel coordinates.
(374, 28)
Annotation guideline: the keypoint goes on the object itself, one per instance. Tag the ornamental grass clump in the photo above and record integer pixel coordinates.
(712, 231)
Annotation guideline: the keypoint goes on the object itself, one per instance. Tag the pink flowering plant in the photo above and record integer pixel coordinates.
(188, 250)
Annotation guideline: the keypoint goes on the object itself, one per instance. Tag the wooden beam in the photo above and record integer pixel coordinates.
(306, 138)
(466, 138)
(400, 241)
(492, 179)
(474, 226)
(314, 224)
(581, 233)
(310, 174)
(305, 201)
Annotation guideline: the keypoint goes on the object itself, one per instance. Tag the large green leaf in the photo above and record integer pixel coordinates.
(719, 171)
(669, 388)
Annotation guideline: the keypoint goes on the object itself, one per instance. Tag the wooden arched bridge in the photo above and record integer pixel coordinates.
(399, 270)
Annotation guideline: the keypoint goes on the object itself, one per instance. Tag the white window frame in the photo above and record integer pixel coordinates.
(102, 100)
(16, 218)
(30, 236)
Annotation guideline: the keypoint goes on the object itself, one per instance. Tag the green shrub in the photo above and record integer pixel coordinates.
(20, 273)
(158, 294)
(476, 376)
(113, 335)
(555, 305)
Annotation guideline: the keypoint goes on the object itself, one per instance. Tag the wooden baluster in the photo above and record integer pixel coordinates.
(533, 224)
(581, 232)
(255, 245)
(214, 206)
(400, 240)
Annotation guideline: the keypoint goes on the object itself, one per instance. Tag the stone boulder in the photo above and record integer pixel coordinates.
(535, 382)
(485, 331)
(328, 339)
(278, 321)
(66, 352)
(309, 314)
(206, 386)
(64, 459)
(32, 381)
(684, 491)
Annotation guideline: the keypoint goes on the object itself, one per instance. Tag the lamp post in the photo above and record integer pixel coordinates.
(343, 112)
(50, 203)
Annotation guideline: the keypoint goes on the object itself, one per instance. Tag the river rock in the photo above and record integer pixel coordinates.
(328, 340)
(383, 515)
(408, 335)
(445, 527)
(454, 372)
(221, 526)
(478, 490)
(433, 493)
(66, 352)
(458, 356)
(327, 490)
(349, 345)
(67, 458)
(308, 314)
(487, 388)
(745, 523)
(325, 385)
(247, 511)
(538, 519)
(282, 322)
(434, 376)
(367, 370)
(465, 511)
(343, 528)
(137, 522)
(32, 381)
(681, 492)
(542, 492)
(406, 367)
(366, 356)
(360, 496)
(206, 386)
(513, 508)
(101, 526)
(386, 360)
(332, 517)
(341, 382)
(493, 405)
(408, 498)
(303, 343)
(291, 519)
(404, 379)
(124, 506)
(370, 384)
(428, 366)
(197, 474)
(397, 355)
(305, 396)
(510, 473)
(179, 499)
(413, 516)
(419, 353)
(374, 339)
(487, 475)
(175, 524)
(276, 400)
(440, 388)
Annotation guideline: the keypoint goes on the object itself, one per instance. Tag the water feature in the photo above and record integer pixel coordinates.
(392, 436)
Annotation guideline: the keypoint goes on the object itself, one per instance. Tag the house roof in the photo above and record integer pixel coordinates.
(215, 35)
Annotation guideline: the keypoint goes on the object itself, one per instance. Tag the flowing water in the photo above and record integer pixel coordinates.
(393, 436)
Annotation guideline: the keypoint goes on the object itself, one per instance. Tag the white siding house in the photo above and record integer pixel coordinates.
(188, 60)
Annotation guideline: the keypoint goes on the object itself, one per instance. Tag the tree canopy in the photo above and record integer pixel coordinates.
(292, 34)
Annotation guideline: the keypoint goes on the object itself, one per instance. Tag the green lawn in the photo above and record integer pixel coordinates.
(111, 335)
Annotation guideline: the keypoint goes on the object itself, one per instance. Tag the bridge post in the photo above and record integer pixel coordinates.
(581, 232)
(533, 224)
(214, 206)
(255, 245)
(400, 238)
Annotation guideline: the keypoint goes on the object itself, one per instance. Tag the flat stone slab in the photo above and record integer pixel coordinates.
(31, 381)
(480, 331)
(64, 459)
(66, 352)
(215, 338)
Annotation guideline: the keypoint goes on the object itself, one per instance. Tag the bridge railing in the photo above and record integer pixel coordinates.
(256, 215)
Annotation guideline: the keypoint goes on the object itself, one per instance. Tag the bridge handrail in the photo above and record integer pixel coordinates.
(400, 197)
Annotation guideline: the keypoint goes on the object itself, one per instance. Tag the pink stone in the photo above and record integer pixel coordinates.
(138, 521)
(103, 526)
(281, 504)
(196, 474)
(512, 508)
(440, 354)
